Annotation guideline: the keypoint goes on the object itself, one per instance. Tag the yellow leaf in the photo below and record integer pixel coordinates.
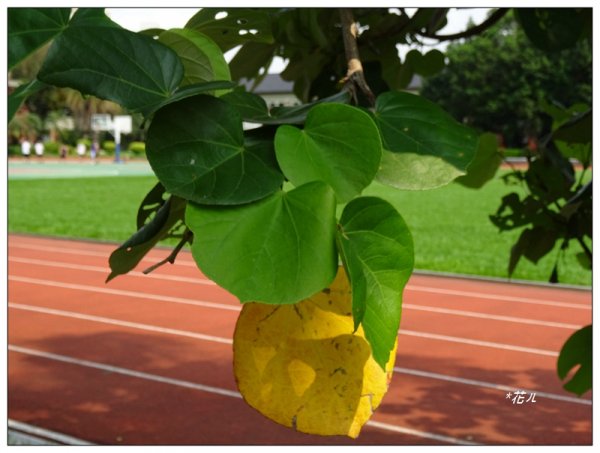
(302, 366)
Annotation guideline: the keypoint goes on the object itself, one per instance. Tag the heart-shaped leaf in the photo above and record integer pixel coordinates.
(202, 59)
(339, 144)
(196, 148)
(577, 352)
(377, 251)
(302, 366)
(95, 56)
(485, 164)
(30, 28)
(553, 29)
(278, 250)
(424, 147)
(250, 59)
(229, 27)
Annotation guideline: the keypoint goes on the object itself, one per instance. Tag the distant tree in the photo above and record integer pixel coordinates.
(499, 81)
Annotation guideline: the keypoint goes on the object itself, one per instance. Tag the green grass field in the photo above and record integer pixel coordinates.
(450, 226)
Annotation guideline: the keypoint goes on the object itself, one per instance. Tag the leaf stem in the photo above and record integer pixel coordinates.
(355, 74)
(187, 235)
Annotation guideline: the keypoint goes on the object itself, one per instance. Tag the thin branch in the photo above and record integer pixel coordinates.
(187, 235)
(355, 74)
(495, 17)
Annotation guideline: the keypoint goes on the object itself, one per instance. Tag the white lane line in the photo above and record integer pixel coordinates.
(490, 385)
(205, 388)
(118, 322)
(43, 433)
(121, 292)
(477, 295)
(474, 314)
(124, 371)
(487, 344)
(413, 432)
(179, 300)
(72, 251)
(237, 308)
(450, 292)
(106, 270)
(204, 281)
(198, 336)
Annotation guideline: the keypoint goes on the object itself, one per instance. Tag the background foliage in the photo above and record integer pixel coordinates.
(499, 81)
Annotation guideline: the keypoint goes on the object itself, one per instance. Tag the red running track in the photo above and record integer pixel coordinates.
(148, 359)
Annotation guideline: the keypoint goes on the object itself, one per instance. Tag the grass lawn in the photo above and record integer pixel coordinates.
(450, 226)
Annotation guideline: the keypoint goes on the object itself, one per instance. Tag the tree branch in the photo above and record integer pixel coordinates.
(495, 17)
(355, 74)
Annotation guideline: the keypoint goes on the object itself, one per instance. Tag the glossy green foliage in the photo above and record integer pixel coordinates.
(253, 108)
(485, 164)
(196, 148)
(202, 59)
(230, 27)
(277, 251)
(576, 354)
(30, 28)
(424, 147)
(339, 145)
(558, 208)
(96, 56)
(377, 251)
(555, 29)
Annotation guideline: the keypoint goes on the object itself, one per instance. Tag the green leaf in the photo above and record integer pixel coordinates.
(202, 59)
(552, 29)
(90, 17)
(253, 108)
(30, 28)
(189, 91)
(576, 130)
(112, 63)
(249, 60)
(16, 98)
(424, 147)
(377, 251)
(250, 106)
(151, 204)
(577, 352)
(430, 64)
(339, 145)
(484, 166)
(240, 25)
(128, 255)
(196, 148)
(297, 114)
(279, 250)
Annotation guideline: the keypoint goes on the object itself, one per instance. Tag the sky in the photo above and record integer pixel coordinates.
(136, 19)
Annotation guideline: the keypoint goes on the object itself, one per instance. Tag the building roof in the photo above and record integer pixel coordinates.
(271, 84)
(274, 84)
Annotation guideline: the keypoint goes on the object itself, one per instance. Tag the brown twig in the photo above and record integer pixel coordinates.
(355, 74)
(495, 17)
